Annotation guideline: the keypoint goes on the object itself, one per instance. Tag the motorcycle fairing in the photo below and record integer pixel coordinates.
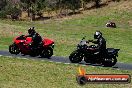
(47, 42)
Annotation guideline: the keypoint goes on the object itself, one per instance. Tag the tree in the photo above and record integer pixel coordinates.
(3, 3)
(34, 7)
(9, 7)
(52, 5)
(84, 3)
(97, 3)
(74, 5)
(13, 9)
(69, 5)
(26, 4)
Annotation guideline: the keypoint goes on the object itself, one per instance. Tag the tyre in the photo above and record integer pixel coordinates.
(75, 57)
(47, 53)
(114, 25)
(13, 49)
(109, 62)
(81, 80)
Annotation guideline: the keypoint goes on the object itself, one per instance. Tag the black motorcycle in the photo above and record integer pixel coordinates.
(89, 54)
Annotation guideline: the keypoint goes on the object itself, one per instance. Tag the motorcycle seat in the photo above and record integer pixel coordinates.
(91, 49)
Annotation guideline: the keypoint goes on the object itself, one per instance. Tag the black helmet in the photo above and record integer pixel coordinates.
(97, 35)
(31, 30)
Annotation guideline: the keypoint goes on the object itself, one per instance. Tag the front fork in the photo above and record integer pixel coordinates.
(52, 46)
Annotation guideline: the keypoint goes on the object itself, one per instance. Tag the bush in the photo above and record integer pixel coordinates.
(13, 11)
(2, 14)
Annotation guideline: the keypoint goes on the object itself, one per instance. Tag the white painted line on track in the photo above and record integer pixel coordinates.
(76, 64)
(24, 58)
(83, 65)
(9, 56)
(51, 61)
(67, 63)
(58, 62)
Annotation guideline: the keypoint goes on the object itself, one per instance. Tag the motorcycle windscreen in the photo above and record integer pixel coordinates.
(16, 40)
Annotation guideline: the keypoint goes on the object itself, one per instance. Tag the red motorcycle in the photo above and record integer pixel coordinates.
(22, 44)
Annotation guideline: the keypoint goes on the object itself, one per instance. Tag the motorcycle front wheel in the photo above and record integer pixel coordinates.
(13, 49)
(75, 57)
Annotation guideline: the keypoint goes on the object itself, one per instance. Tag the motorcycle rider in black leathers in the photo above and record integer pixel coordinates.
(37, 40)
(101, 43)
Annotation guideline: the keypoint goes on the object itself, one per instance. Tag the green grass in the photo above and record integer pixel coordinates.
(24, 73)
(67, 32)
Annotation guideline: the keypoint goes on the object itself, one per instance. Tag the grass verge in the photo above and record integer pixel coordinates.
(24, 73)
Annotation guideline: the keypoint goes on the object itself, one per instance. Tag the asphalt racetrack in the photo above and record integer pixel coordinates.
(57, 59)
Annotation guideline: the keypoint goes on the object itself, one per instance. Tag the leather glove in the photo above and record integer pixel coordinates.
(87, 41)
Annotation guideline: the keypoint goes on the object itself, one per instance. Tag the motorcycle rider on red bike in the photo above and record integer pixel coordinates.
(101, 43)
(36, 38)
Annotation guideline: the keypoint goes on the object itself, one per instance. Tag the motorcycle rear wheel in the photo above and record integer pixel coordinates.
(47, 53)
(75, 57)
(109, 62)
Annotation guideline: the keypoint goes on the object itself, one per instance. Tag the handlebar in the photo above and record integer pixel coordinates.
(83, 37)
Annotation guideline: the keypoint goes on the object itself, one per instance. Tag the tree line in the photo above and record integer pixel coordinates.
(34, 8)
